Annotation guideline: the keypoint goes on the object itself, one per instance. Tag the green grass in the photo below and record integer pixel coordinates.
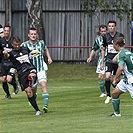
(74, 106)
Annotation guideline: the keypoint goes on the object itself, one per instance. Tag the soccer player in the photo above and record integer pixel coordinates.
(125, 66)
(7, 67)
(38, 47)
(111, 67)
(98, 46)
(25, 69)
(1, 31)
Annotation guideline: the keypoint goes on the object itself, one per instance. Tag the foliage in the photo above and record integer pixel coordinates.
(120, 7)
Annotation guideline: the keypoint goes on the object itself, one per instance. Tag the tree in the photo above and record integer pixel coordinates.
(35, 16)
(94, 7)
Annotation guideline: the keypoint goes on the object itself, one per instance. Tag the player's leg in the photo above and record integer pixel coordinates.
(5, 87)
(32, 100)
(115, 97)
(33, 83)
(109, 69)
(101, 84)
(24, 83)
(42, 79)
(12, 80)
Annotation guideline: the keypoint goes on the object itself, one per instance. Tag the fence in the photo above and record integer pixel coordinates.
(65, 23)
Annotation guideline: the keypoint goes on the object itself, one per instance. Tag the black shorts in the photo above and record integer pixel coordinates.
(5, 69)
(23, 79)
(111, 67)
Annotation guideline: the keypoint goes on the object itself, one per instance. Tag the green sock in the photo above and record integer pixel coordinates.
(35, 95)
(102, 87)
(45, 97)
(116, 104)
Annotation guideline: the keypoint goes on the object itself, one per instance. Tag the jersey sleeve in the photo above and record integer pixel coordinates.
(121, 60)
(104, 42)
(95, 46)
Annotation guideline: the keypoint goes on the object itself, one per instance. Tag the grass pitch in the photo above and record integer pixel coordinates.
(74, 106)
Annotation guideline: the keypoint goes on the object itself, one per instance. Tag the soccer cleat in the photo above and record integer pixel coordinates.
(7, 97)
(38, 112)
(107, 99)
(45, 109)
(102, 95)
(115, 115)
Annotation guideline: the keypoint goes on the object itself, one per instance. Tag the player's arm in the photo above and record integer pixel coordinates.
(6, 54)
(115, 59)
(103, 56)
(118, 74)
(103, 52)
(90, 57)
(48, 55)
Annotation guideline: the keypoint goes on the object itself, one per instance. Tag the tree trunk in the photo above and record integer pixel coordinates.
(35, 16)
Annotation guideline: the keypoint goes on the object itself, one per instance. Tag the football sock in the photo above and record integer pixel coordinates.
(14, 83)
(107, 85)
(116, 104)
(33, 102)
(102, 87)
(5, 88)
(45, 97)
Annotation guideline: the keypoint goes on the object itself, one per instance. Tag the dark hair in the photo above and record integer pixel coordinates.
(32, 28)
(102, 26)
(16, 39)
(112, 21)
(120, 41)
(7, 26)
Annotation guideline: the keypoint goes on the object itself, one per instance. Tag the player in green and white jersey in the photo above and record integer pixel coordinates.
(125, 65)
(38, 48)
(98, 46)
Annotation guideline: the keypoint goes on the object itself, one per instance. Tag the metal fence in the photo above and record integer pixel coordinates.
(65, 23)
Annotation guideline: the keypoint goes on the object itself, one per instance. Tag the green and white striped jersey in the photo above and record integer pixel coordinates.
(98, 45)
(37, 50)
(125, 58)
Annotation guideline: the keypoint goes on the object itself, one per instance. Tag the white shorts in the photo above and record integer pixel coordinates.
(42, 76)
(98, 70)
(125, 87)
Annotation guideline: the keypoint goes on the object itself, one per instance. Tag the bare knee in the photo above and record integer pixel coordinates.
(43, 86)
(9, 79)
(116, 93)
(29, 92)
(100, 77)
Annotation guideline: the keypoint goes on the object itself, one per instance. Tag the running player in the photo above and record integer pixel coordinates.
(111, 67)
(38, 47)
(20, 58)
(98, 46)
(7, 67)
(125, 66)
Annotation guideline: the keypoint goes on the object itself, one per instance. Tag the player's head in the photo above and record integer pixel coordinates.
(32, 34)
(102, 29)
(118, 43)
(7, 30)
(16, 42)
(112, 26)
